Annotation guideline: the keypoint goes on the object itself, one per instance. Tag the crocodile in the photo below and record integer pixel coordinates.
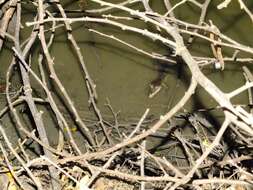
(163, 70)
(156, 85)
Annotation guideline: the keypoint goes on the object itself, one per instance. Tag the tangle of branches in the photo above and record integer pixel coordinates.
(113, 153)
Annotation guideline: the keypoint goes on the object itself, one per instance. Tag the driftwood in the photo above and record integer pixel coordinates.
(194, 153)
